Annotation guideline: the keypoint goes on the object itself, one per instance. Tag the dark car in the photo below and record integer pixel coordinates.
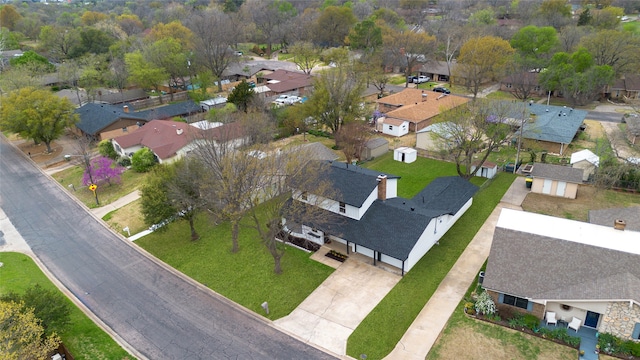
(411, 79)
(441, 89)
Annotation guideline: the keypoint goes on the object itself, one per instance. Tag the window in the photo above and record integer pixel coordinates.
(343, 207)
(508, 86)
(124, 129)
(515, 301)
(390, 127)
(304, 196)
(636, 332)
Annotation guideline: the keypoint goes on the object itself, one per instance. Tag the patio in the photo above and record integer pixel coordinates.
(588, 338)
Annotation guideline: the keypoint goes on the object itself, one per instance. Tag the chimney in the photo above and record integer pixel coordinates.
(424, 96)
(179, 131)
(619, 224)
(382, 187)
(125, 108)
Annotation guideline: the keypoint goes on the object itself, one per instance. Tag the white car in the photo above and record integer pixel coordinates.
(281, 99)
(292, 100)
(421, 79)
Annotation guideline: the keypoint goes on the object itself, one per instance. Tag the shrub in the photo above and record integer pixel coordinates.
(143, 160)
(531, 321)
(105, 148)
(124, 161)
(49, 306)
(485, 304)
(470, 308)
(612, 344)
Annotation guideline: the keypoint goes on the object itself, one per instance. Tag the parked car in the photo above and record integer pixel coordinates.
(281, 99)
(421, 79)
(293, 100)
(411, 79)
(441, 89)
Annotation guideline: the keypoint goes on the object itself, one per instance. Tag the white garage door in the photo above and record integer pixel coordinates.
(562, 186)
(546, 187)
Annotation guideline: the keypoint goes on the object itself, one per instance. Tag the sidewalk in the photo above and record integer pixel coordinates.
(425, 329)
(104, 210)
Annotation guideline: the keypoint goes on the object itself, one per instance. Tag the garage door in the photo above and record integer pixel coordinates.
(562, 186)
(546, 187)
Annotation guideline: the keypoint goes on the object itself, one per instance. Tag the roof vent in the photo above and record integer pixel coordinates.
(619, 224)
(179, 131)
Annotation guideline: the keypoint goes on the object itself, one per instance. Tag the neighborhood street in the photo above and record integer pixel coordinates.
(155, 311)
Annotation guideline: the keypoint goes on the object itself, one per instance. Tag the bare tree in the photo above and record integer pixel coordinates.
(305, 55)
(352, 138)
(472, 131)
(213, 36)
(409, 48)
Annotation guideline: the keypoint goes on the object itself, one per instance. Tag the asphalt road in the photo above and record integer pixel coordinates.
(604, 116)
(155, 311)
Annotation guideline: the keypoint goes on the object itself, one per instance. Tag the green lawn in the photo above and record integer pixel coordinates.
(381, 330)
(83, 338)
(245, 277)
(130, 181)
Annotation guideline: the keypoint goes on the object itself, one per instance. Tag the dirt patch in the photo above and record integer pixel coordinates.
(464, 342)
(589, 198)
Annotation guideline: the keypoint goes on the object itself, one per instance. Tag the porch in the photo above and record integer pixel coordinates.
(588, 338)
(342, 248)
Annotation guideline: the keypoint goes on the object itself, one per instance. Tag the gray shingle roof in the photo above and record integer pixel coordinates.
(606, 217)
(542, 267)
(557, 172)
(171, 110)
(353, 183)
(319, 152)
(447, 194)
(376, 142)
(95, 117)
(553, 123)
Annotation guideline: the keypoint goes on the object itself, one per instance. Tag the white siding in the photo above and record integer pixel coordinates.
(394, 130)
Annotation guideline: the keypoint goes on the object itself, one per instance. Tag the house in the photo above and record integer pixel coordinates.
(538, 263)
(437, 70)
(120, 97)
(405, 154)
(526, 81)
(556, 180)
(585, 160)
(417, 107)
(551, 128)
(487, 169)
(371, 93)
(317, 151)
(633, 128)
(435, 137)
(368, 218)
(374, 148)
(103, 121)
(169, 140)
(286, 82)
(607, 217)
(625, 88)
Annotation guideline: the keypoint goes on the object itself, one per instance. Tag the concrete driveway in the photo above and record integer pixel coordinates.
(329, 315)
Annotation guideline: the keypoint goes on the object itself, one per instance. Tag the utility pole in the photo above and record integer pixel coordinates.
(524, 109)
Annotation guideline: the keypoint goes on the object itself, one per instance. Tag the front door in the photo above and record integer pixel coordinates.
(546, 186)
(592, 319)
(562, 186)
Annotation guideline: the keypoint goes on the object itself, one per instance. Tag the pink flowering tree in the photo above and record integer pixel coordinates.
(102, 170)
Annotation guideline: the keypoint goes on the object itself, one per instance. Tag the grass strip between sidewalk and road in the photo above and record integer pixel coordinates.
(82, 337)
(382, 329)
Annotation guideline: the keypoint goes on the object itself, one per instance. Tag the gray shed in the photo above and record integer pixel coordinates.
(374, 148)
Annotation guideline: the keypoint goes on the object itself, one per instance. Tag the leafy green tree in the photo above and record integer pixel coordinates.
(169, 54)
(144, 73)
(49, 306)
(577, 76)
(366, 35)
(143, 160)
(59, 41)
(607, 18)
(534, 44)
(618, 49)
(585, 17)
(21, 335)
(305, 55)
(154, 201)
(9, 16)
(483, 17)
(241, 95)
(333, 26)
(482, 59)
(336, 98)
(105, 148)
(31, 58)
(37, 114)
(93, 41)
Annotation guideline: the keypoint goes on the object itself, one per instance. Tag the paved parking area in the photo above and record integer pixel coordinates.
(329, 315)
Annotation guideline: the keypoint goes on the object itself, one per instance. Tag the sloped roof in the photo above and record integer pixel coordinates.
(376, 142)
(172, 110)
(319, 152)
(546, 258)
(284, 80)
(633, 125)
(447, 194)
(427, 109)
(632, 82)
(122, 97)
(437, 67)
(353, 183)
(556, 124)
(392, 121)
(557, 172)
(585, 155)
(95, 117)
(606, 217)
(405, 97)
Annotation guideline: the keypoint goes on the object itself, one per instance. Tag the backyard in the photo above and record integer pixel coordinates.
(83, 338)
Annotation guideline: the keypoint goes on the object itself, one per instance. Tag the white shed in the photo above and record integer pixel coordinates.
(395, 127)
(487, 170)
(585, 160)
(405, 154)
(217, 102)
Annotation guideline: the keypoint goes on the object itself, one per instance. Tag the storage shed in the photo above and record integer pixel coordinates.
(556, 180)
(375, 147)
(405, 154)
(487, 169)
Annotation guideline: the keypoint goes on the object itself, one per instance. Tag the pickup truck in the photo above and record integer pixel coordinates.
(421, 79)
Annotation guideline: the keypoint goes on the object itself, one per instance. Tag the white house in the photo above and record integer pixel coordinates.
(405, 154)
(585, 160)
(395, 127)
(368, 218)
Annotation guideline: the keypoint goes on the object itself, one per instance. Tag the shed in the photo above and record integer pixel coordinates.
(405, 154)
(395, 127)
(217, 102)
(487, 169)
(375, 147)
(585, 160)
(556, 180)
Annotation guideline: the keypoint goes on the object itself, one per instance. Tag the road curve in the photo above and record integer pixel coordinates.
(158, 313)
